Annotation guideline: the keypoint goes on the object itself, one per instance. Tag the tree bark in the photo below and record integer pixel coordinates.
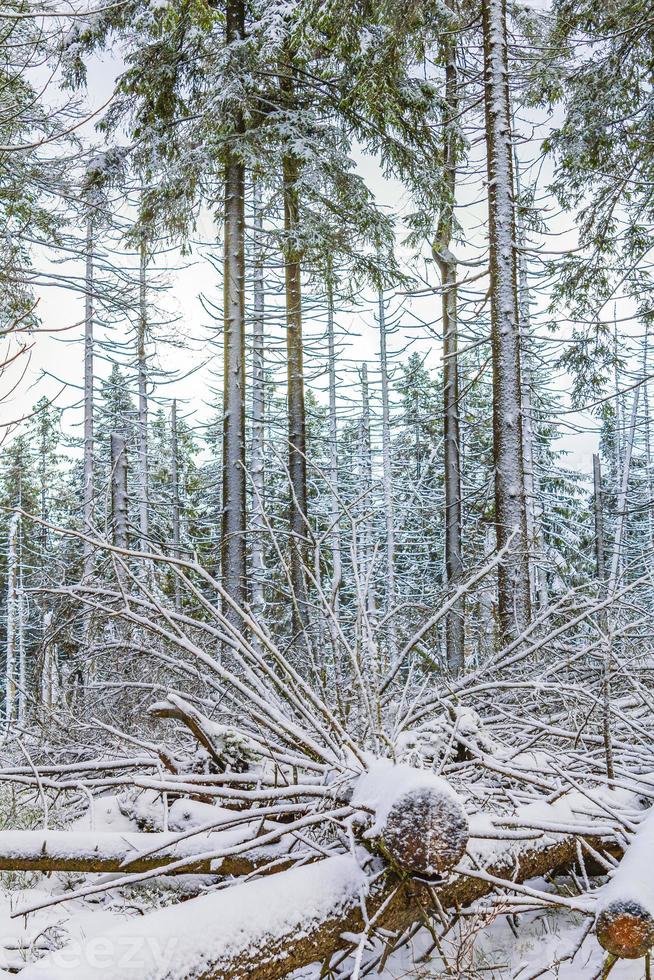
(22, 651)
(600, 562)
(455, 623)
(88, 489)
(12, 616)
(257, 465)
(174, 480)
(387, 478)
(297, 465)
(144, 517)
(648, 442)
(119, 489)
(233, 550)
(621, 504)
(533, 501)
(510, 511)
(367, 544)
(621, 513)
(89, 852)
(334, 505)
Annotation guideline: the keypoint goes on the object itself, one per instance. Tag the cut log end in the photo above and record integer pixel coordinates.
(625, 929)
(426, 833)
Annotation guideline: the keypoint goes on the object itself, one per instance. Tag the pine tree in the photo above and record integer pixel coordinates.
(510, 507)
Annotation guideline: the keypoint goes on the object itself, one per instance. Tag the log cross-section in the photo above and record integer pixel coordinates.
(624, 921)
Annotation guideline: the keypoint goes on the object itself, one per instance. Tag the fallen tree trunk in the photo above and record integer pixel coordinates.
(268, 928)
(624, 922)
(419, 825)
(409, 815)
(89, 852)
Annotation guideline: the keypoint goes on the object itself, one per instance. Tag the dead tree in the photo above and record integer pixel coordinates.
(174, 488)
(624, 922)
(118, 489)
(142, 363)
(89, 446)
(271, 927)
(257, 465)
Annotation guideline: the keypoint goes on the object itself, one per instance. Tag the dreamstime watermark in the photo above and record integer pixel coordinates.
(123, 955)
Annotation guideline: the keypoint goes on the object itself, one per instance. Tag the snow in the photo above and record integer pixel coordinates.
(104, 815)
(632, 881)
(486, 946)
(246, 920)
(185, 814)
(205, 933)
(110, 847)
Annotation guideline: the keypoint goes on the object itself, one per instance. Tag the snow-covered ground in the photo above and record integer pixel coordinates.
(553, 943)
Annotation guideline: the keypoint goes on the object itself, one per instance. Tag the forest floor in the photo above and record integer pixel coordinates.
(536, 944)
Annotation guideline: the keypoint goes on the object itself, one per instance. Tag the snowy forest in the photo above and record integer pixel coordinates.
(326, 489)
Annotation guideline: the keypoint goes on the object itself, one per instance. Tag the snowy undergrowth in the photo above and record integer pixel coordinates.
(535, 945)
(28, 938)
(26, 811)
(492, 946)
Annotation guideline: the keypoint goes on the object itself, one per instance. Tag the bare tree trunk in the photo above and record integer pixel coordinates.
(600, 567)
(119, 490)
(88, 490)
(387, 477)
(619, 420)
(233, 551)
(48, 667)
(533, 503)
(297, 465)
(174, 480)
(455, 624)
(621, 507)
(22, 652)
(144, 517)
(527, 415)
(510, 511)
(49, 672)
(43, 489)
(12, 616)
(648, 441)
(486, 596)
(257, 523)
(334, 508)
(600, 563)
(367, 545)
(621, 504)
(528, 455)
